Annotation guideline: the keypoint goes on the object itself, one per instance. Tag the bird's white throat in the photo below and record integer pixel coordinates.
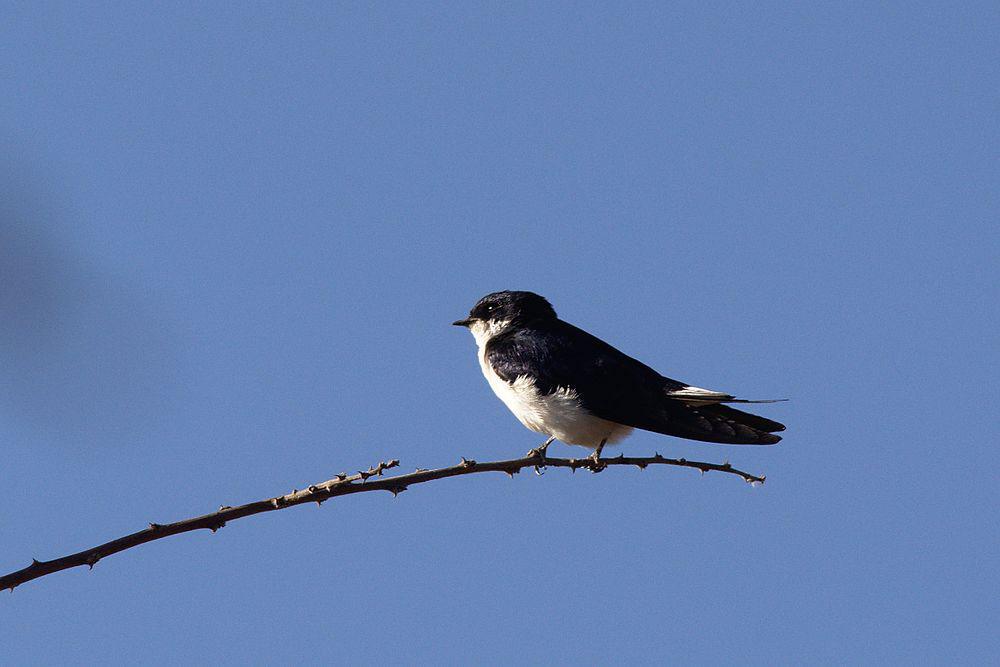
(483, 330)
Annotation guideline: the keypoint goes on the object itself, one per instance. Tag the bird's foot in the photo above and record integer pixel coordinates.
(597, 465)
(539, 452)
(536, 453)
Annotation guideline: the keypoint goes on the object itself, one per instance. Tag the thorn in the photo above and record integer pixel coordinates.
(276, 502)
(396, 490)
(621, 456)
(683, 460)
(319, 502)
(467, 464)
(509, 474)
(154, 526)
(35, 562)
(218, 526)
(312, 488)
(92, 560)
(223, 508)
(538, 471)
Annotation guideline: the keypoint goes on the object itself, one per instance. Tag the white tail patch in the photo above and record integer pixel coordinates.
(698, 396)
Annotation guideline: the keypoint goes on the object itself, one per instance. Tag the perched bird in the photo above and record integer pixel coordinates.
(561, 381)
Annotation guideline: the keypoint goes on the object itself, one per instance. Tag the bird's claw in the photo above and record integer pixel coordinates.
(596, 464)
(539, 452)
(536, 453)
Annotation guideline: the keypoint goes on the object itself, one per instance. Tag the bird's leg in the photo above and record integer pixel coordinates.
(540, 450)
(596, 457)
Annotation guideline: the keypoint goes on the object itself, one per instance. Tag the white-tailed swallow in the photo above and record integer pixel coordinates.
(561, 381)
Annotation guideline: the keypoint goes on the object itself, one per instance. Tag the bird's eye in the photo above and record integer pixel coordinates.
(490, 308)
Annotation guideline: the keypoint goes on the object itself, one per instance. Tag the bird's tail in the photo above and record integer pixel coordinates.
(766, 427)
(721, 424)
(704, 416)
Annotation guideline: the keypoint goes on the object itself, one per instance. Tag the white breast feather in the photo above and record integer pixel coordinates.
(557, 414)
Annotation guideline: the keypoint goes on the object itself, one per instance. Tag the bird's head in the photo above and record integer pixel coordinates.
(499, 310)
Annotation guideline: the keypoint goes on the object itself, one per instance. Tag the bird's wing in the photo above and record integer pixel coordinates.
(616, 387)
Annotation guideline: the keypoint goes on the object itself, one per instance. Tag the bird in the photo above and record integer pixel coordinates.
(571, 386)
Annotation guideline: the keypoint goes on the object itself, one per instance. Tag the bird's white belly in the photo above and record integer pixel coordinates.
(557, 414)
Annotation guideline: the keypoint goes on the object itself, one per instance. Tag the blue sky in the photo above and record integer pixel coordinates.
(232, 239)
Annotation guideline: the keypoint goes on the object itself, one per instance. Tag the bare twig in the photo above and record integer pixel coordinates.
(343, 485)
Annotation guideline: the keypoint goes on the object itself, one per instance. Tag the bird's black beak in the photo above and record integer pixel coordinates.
(463, 323)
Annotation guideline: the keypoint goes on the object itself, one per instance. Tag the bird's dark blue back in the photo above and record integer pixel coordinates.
(557, 354)
(614, 386)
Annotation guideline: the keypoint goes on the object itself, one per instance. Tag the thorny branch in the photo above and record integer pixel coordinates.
(343, 485)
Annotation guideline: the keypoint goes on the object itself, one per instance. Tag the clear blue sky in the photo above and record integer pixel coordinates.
(233, 238)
